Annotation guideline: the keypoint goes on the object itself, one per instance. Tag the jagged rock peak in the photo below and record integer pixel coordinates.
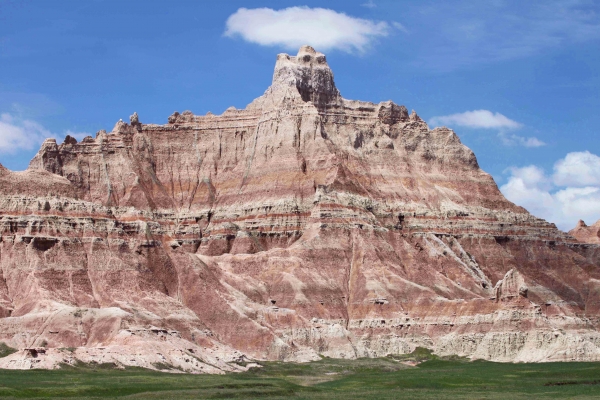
(134, 119)
(414, 117)
(47, 158)
(309, 72)
(120, 127)
(391, 113)
(70, 140)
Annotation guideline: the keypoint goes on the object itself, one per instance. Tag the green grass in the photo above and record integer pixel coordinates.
(6, 350)
(382, 378)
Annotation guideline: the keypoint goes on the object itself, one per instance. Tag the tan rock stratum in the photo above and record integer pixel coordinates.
(304, 225)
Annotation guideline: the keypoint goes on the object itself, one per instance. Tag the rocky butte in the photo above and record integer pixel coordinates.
(303, 225)
(586, 234)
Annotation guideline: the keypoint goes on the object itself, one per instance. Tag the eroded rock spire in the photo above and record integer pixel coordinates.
(309, 73)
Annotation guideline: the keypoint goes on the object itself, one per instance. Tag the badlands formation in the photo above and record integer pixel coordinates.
(304, 225)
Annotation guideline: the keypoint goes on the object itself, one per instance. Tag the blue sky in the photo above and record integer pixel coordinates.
(518, 81)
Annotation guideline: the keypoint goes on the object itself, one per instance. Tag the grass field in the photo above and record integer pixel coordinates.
(383, 378)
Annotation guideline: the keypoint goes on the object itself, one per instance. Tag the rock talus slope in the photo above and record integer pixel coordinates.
(303, 225)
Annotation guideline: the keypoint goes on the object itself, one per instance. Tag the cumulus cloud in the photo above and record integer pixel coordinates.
(293, 27)
(531, 176)
(571, 193)
(578, 169)
(17, 134)
(476, 119)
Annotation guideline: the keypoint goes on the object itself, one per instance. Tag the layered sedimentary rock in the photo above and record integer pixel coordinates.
(586, 234)
(303, 225)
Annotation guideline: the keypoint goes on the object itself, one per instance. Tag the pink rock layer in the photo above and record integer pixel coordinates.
(303, 225)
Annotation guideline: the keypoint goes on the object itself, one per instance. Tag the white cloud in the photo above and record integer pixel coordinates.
(485, 119)
(530, 141)
(579, 203)
(399, 26)
(293, 27)
(513, 140)
(476, 119)
(528, 194)
(17, 134)
(531, 177)
(578, 169)
(563, 198)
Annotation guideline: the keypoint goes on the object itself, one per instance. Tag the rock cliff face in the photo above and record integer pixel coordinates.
(305, 224)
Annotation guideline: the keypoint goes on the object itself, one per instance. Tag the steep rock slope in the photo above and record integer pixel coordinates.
(305, 224)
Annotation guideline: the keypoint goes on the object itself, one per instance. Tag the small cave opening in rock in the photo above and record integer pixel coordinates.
(43, 244)
(501, 239)
(273, 301)
(35, 352)
(305, 94)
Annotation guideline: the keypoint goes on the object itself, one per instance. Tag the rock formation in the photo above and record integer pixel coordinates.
(586, 234)
(303, 225)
